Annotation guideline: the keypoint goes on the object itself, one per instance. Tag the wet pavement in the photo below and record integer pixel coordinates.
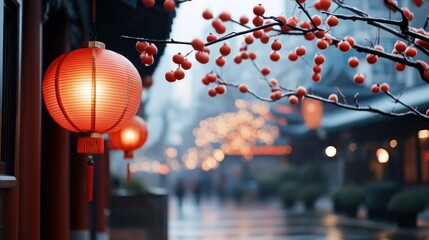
(214, 221)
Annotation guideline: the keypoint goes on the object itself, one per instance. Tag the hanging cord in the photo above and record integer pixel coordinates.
(92, 28)
(89, 177)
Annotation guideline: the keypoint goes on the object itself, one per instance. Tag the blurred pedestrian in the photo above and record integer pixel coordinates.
(179, 191)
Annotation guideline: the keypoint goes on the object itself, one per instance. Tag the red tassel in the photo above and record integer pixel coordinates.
(128, 173)
(89, 178)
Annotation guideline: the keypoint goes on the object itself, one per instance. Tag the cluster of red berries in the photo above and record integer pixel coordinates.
(146, 50)
(213, 78)
(169, 5)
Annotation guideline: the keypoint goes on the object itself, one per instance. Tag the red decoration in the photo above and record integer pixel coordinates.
(94, 91)
(130, 138)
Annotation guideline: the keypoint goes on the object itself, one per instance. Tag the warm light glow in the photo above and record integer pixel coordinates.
(171, 152)
(218, 155)
(352, 147)
(128, 136)
(423, 134)
(164, 169)
(382, 155)
(393, 143)
(331, 151)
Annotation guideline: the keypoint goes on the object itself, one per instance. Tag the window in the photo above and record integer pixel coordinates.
(9, 85)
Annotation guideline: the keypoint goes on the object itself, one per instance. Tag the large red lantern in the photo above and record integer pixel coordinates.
(94, 91)
(130, 138)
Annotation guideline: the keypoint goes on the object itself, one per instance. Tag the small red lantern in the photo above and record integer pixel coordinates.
(94, 91)
(312, 112)
(130, 138)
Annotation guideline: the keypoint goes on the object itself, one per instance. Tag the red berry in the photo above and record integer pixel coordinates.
(325, 4)
(300, 51)
(146, 59)
(211, 37)
(220, 89)
(252, 55)
(301, 92)
(411, 52)
(332, 21)
(359, 78)
(249, 39)
(333, 97)
(319, 59)
(316, 77)
(375, 88)
(258, 21)
(351, 40)
(418, 3)
(197, 44)
(225, 16)
(238, 59)
(319, 34)
(322, 44)
(293, 99)
(179, 74)
(353, 62)
(275, 56)
(317, 68)
(258, 33)
(273, 82)
(207, 14)
(244, 20)
(317, 20)
(202, 57)
(265, 71)
(265, 39)
(169, 76)
(242, 88)
(305, 24)
(244, 55)
(205, 80)
(400, 46)
(225, 49)
(258, 10)
(371, 58)
(408, 14)
(186, 64)
(169, 5)
(212, 92)
(384, 87)
(309, 36)
(220, 61)
(148, 3)
(293, 56)
(178, 58)
(211, 77)
(344, 46)
(151, 49)
(399, 67)
(141, 46)
(276, 45)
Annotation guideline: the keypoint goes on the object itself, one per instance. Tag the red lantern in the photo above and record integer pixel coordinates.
(130, 138)
(92, 90)
(312, 112)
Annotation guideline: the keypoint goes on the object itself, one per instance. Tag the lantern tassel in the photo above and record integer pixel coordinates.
(89, 177)
(128, 173)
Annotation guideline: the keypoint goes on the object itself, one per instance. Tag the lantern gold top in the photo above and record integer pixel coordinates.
(93, 44)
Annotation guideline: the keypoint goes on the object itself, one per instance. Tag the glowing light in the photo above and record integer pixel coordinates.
(218, 155)
(164, 169)
(352, 147)
(382, 155)
(423, 134)
(171, 152)
(331, 151)
(393, 143)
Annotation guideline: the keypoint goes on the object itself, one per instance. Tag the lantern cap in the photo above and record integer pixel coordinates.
(93, 44)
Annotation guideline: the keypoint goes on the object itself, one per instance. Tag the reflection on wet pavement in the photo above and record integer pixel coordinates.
(214, 221)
